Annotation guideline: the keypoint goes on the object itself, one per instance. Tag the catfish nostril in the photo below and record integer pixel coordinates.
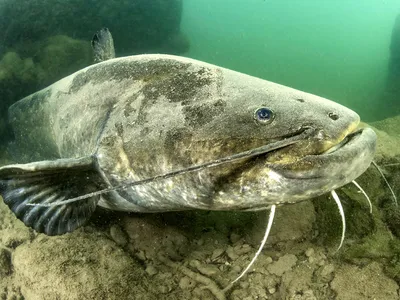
(333, 116)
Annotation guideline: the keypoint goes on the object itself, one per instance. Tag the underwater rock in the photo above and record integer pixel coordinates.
(388, 158)
(389, 126)
(284, 264)
(296, 284)
(352, 282)
(88, 265)
(10, 292)
(5, 262)
(77, 266)
(326, 273)
(137, 26)
(295, 222)
(164, 239)
(12, 231)
(118, 235)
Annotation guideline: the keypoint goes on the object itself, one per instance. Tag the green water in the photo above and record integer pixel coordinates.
(334, 48)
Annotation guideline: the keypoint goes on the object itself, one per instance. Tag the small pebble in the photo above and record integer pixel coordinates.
(327, 273)
(231, 253)
(119, 236)
(310, 252)
(321, 263)
(272, 290)
(217, 253)
(107, 249)
(140, 255)
(284, 264)
(163, 289)
(234, 238)
(243, 249)
(207, 270)
(309, 295)
(151, 270)
(187, 283)
(236, 269)
(194, 263)
(200, 242)
(268, 260)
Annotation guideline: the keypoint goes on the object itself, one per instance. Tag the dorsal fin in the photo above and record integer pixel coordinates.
(22, 185)
(103, 45)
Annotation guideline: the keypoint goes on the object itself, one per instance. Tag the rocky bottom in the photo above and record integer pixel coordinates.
(195, 255)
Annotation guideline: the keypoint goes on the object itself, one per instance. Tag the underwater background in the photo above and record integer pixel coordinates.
(346, 51)
(339, 50)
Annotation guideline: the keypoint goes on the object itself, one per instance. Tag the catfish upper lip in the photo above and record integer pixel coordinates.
(344, 141)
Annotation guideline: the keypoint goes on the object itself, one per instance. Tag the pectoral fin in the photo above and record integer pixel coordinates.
(45, 182)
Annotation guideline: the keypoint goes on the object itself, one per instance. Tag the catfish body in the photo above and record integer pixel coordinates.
(127, 119)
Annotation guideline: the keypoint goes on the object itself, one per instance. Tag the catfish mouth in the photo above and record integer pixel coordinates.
(317, 147)
(346, 159)
(304, 152)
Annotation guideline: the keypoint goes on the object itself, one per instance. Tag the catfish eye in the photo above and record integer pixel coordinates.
(263, 115)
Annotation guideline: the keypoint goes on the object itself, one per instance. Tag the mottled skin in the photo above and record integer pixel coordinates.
(146, 115)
